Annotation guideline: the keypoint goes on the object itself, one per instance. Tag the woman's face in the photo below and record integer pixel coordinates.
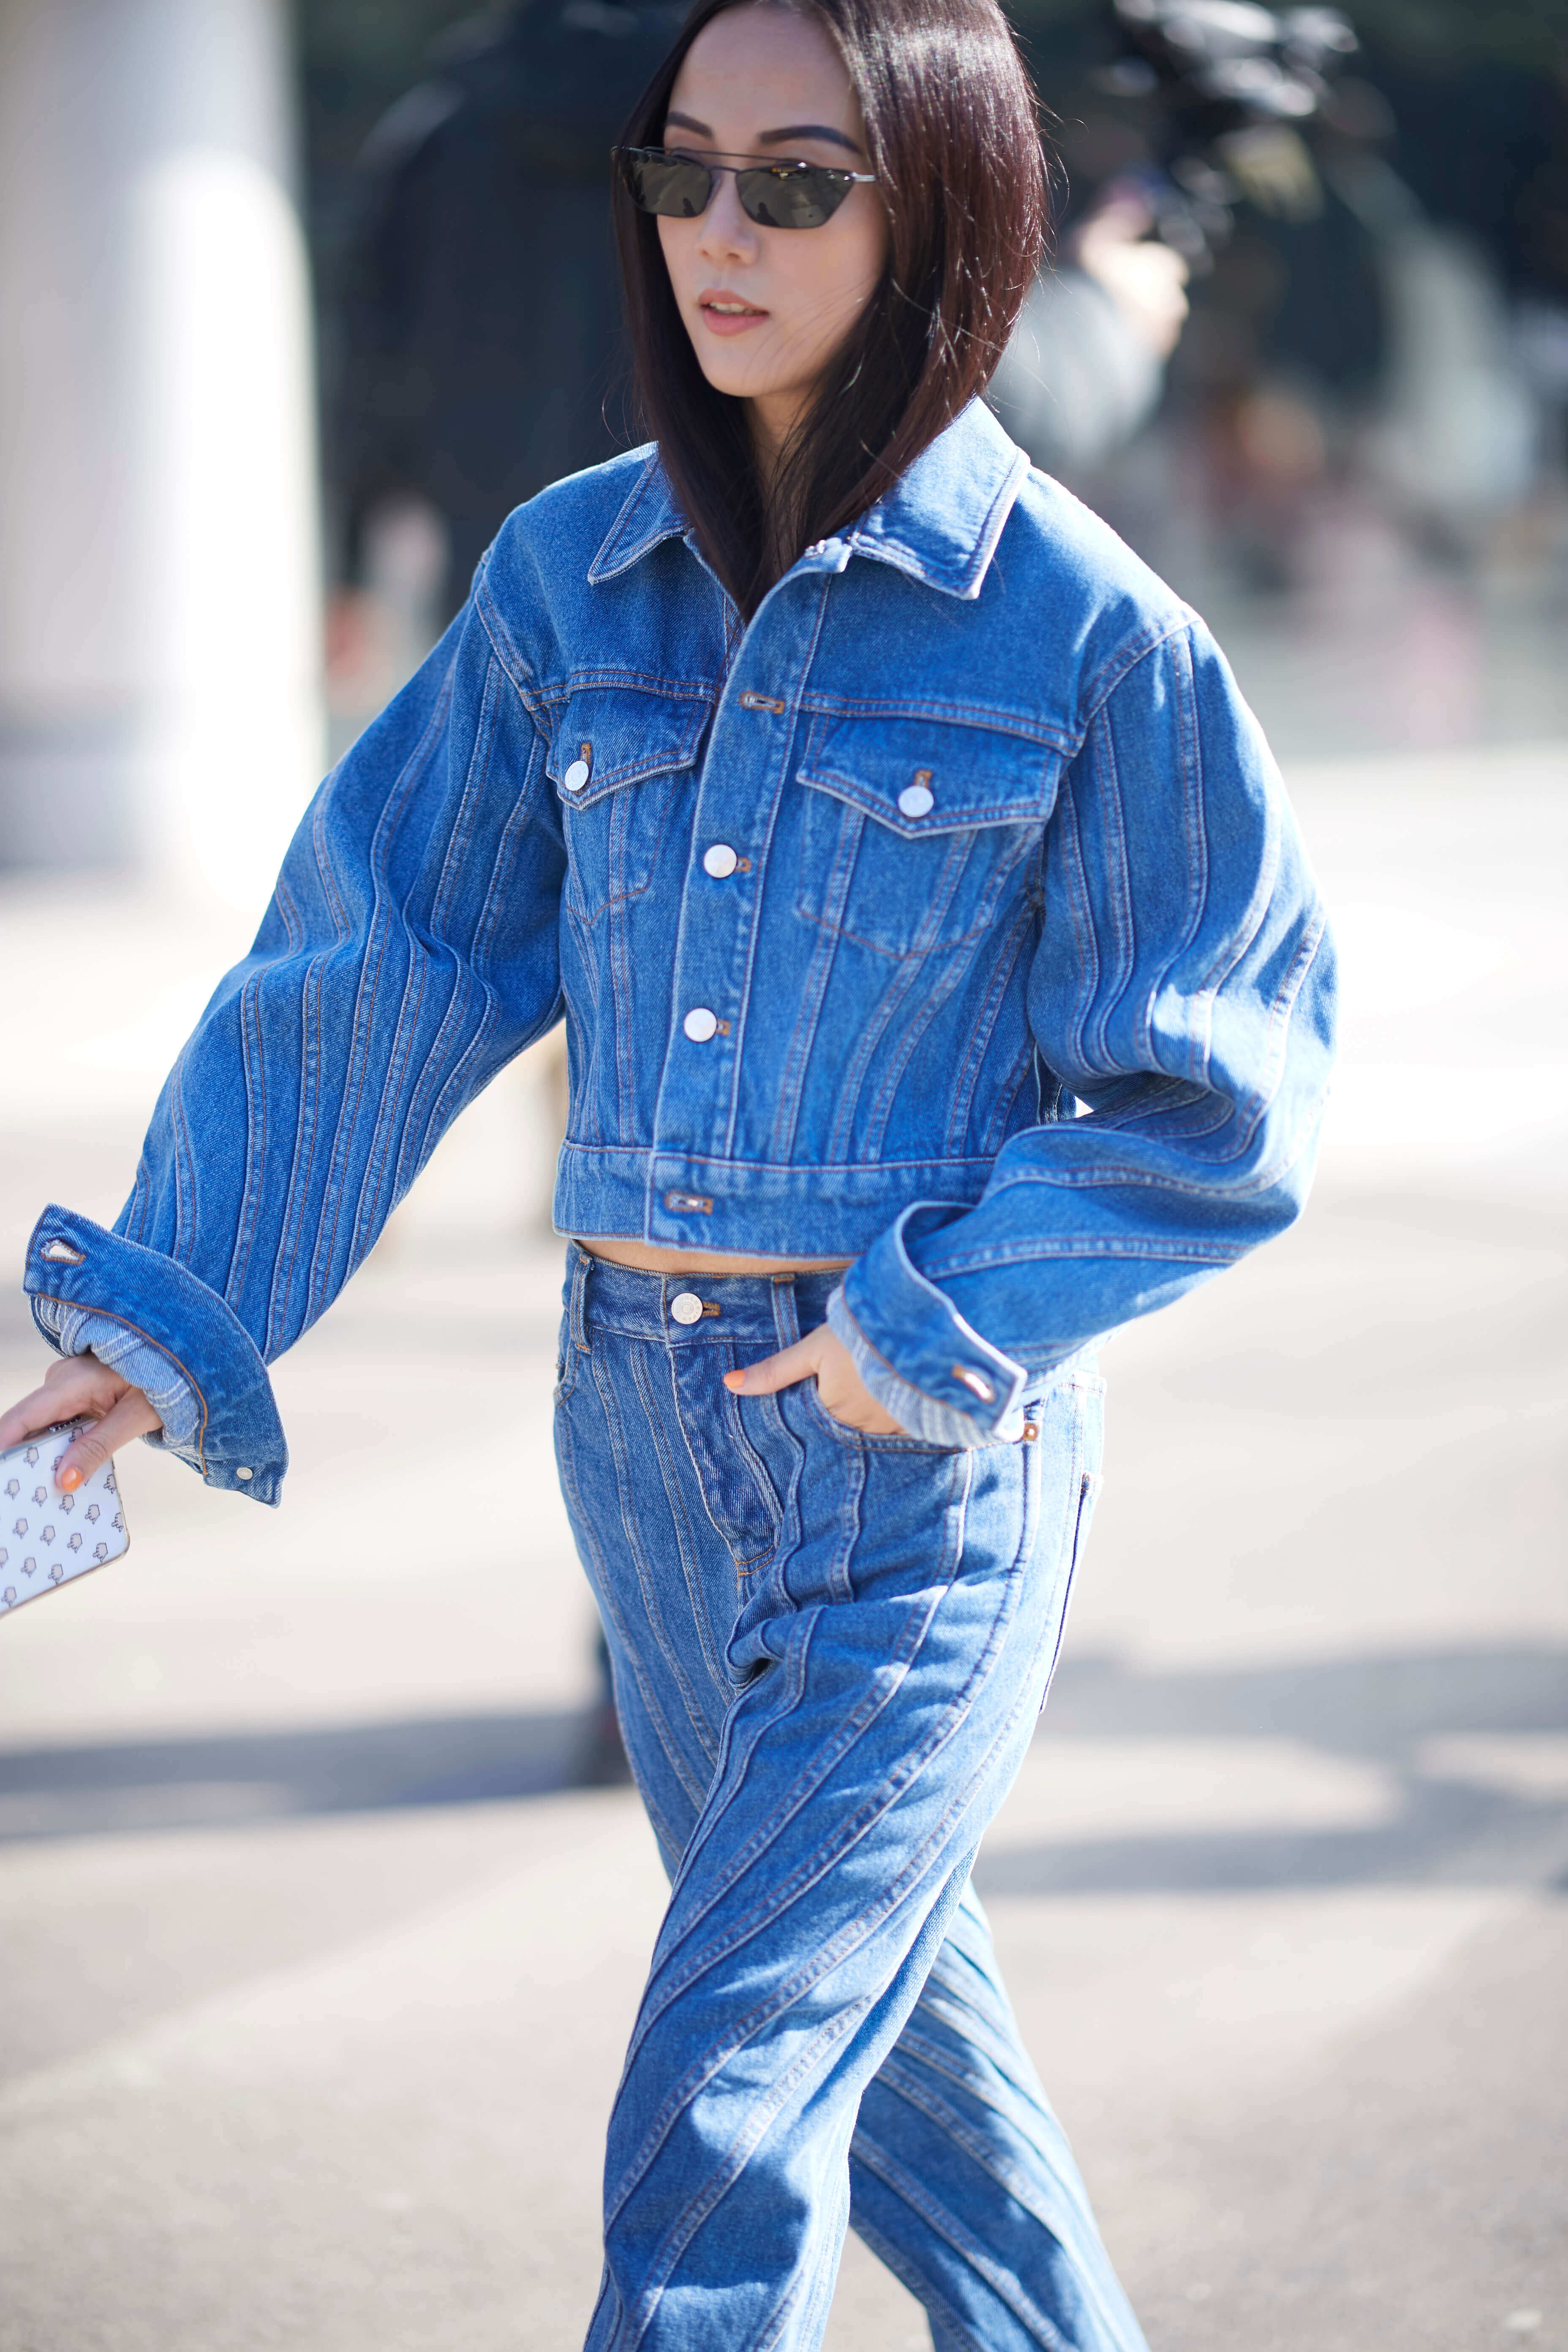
(766, 308)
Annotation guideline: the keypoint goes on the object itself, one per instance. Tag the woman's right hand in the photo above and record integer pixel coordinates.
(73, 1385)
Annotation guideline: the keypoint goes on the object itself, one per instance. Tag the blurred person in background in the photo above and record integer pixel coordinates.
(1460, 182)
(1197, 124)
(480, 351)
(945, 985)
(1085, 368)
(1376, 220)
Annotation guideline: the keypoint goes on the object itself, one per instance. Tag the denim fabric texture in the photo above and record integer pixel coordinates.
(949, 917)
(829, 1654)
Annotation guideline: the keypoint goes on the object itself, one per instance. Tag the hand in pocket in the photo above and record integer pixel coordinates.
(841, 1392)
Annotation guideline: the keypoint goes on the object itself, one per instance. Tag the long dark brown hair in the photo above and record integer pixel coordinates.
(954, 141)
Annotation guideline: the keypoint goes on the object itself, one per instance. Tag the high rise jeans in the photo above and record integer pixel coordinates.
(829, 1653)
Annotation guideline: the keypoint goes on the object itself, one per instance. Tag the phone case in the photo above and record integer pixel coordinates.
(48, 1538)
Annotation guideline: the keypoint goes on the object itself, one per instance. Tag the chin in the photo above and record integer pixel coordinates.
(727, 372)
(738, 382)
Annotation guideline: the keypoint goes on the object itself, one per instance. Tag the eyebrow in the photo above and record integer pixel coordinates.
(791, 132)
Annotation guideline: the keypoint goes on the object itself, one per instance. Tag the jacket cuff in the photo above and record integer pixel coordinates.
(77, 1332)
(238, 1438)
(916, 1415)
(914, 1352)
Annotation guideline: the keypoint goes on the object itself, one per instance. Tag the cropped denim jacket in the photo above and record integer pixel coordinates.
(949, 917)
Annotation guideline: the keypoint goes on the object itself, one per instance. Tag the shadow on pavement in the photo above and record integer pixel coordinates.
(1447, 1829)
(211, 1781)
(1446, 1833)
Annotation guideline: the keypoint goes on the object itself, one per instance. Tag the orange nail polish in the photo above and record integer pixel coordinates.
(70, 1478)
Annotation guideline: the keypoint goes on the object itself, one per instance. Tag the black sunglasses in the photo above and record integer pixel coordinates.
(775, 196)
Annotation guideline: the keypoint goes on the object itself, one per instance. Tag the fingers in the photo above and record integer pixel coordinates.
(775, 1372)
(132, 1417)
(840, 1390)
(22, 1419)
(75, 1384)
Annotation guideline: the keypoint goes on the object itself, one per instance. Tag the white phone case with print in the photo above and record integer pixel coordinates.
(48, 1538)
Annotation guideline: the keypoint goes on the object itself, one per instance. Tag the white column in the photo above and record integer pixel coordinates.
(160, 632)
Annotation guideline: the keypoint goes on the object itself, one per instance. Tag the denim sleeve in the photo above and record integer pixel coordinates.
(1183, 992)
(409, 951)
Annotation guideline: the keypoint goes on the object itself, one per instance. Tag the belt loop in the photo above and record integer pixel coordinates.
(786, 1315)
(578, 1325)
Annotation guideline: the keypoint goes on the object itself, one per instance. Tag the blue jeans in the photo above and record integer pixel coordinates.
(829, 1654)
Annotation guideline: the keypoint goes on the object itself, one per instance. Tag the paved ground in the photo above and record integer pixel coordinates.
(314, 1974)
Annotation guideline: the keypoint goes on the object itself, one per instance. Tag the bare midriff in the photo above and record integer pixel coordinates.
(644, 1258)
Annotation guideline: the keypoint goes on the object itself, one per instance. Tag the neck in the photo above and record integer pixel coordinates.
(771, 420)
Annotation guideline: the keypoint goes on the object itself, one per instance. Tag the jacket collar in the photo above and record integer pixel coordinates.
(939, 523)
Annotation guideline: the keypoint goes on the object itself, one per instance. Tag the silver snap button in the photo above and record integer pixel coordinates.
(917, 800)
(720, 860)
(245, 1474)
(699, 1025)
(686, 1307)
(576, 776)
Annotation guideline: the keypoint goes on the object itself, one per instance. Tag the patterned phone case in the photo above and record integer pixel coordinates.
(48, 1538)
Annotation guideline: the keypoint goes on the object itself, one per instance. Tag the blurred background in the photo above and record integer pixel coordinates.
(323, 1913)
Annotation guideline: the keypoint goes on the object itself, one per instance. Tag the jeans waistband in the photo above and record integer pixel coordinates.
(755, 1309)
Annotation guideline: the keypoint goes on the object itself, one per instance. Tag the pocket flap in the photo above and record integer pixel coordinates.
(922, 776)
(622, 735)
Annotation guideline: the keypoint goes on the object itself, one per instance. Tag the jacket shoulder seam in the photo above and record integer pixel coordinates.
(1128, 658)
(501, 644)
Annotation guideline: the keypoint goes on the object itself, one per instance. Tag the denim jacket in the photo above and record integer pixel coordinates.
(949, 917)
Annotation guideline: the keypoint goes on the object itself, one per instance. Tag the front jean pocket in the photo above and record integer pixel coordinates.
(872, 1440)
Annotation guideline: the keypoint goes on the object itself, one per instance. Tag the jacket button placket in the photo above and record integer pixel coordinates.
(747, 756)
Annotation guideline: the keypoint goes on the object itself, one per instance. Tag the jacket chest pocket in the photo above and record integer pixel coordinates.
(622, 763)
(918, 835)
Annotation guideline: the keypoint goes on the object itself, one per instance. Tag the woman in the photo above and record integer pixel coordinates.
(943, 986)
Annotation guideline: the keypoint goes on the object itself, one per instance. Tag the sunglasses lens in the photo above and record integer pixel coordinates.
(671, 185)
(776, 196)
(792, 199)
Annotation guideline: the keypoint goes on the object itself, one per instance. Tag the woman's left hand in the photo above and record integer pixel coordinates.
(841, 1392)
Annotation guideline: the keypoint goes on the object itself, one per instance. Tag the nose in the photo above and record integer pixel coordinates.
(726, 234)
